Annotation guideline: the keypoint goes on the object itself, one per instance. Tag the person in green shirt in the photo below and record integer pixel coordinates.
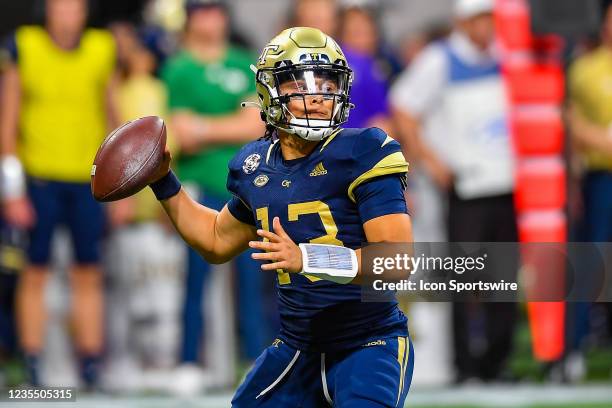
(207, 81)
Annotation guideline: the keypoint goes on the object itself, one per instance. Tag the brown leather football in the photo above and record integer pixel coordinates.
(128, 158)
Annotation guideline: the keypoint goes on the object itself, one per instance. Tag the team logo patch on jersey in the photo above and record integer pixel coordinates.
(319, 170)
(261, 180)
(251, 163)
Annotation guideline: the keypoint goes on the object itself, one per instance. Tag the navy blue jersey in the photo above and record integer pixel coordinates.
(352, 176)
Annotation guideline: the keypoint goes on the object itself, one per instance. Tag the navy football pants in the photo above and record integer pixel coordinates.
(375, 375)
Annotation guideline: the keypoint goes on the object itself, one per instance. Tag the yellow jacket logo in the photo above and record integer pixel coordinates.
(319, 170)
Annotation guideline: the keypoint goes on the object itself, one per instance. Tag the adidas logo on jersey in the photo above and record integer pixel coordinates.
(319, 170)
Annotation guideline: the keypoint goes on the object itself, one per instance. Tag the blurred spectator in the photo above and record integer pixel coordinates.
(411, 46)
(358, 33)
(413, 43)
(139, 92)
(126, 39)
(158, 43)
(321, 14)
(430, 322)
(56, 111)
(12, 259)
(454, 92)
(360, 39)
(11, 263)
(590, 121)
(206, 83)
(326, 16)
(145, 257)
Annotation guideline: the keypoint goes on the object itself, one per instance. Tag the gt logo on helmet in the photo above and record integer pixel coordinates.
(267, 50)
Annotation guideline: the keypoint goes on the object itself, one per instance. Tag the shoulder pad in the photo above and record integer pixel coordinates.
(245, 162)
(374, 154)
(259, 147)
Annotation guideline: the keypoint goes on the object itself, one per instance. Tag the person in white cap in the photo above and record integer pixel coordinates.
(466, 9)
(450, 107)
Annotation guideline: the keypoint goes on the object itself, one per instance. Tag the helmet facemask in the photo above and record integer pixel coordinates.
(306, 87)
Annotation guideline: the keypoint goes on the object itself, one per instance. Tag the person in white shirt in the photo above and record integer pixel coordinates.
(451, 110)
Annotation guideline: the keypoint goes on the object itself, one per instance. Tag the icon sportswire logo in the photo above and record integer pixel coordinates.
(319, 170)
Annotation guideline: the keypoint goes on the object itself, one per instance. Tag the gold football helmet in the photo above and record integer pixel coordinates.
(317, 66)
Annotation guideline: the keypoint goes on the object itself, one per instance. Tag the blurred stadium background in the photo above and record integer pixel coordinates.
(559, 357)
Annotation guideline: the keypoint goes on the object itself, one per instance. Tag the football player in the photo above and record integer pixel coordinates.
(308, 194)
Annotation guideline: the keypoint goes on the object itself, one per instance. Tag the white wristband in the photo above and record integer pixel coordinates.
(329, 262)
(12, 178)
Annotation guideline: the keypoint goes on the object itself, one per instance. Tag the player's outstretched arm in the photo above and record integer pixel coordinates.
(217, 235)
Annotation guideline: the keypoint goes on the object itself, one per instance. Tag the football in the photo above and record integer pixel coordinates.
(128, 158)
